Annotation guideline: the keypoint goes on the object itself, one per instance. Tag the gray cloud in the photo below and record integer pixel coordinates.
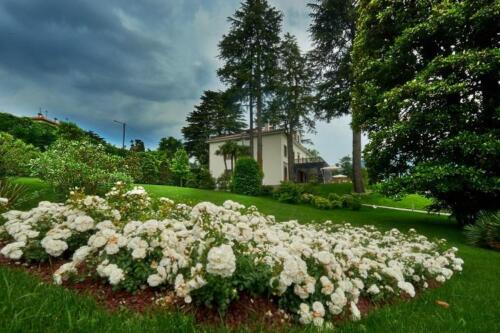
(144, 62)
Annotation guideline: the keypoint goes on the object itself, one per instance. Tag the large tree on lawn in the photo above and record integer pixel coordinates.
(427, 91)
(250, 55)
(333, 30)
(292, 102)
(219, 113)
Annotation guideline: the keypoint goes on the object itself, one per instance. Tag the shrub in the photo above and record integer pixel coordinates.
(247, 177)
(289, 192)
(266, 190)
(320, 202)
(306, 197)
(69, 164)
(200, 177)
(210, 255)
(13, 193)
(486, 231)
(334, 197)
(224, 181)
(15, 156)
(351, 201)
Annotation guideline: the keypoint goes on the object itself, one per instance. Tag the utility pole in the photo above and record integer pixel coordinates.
(123, 136)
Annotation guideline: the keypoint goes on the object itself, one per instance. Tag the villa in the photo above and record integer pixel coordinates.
(274, 156)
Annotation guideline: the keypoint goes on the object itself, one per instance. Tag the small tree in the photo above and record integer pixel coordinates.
(180, 165)
(169, 146)
(247, 177)
(15, 156)
(69, 164)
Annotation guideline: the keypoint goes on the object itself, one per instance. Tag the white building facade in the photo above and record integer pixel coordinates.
(274, 154)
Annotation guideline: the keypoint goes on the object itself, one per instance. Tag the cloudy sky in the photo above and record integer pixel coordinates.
(143, 62)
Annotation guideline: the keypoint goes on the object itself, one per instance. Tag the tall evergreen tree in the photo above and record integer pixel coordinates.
(137, 145)
(333, 31)
(249, 52)
(427, 91)
(219, 113)
(292, 102)
(169, 146)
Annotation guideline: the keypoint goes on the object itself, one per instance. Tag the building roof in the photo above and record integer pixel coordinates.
(41, 117)
(243, 135)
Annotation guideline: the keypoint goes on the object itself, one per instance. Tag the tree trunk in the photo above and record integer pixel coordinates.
(259, 128)
(357, 178)
(291, 156)
(251, 125)
(225, 162)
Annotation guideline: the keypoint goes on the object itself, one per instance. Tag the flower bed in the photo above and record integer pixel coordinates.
(209, 255)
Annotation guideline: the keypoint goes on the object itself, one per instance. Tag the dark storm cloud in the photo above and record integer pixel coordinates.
(145, 62)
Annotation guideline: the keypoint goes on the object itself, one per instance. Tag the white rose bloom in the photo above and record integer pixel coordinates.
(13, 250)
(83, 223)
(116, 276)
(221, 261)
(54, 247)
(319, 309)
(154, 280)
(355, 314)
(373, 289)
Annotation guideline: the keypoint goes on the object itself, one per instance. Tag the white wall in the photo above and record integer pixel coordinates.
(273, 157)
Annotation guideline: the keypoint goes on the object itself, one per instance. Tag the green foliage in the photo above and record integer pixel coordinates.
(224, 181)
(15, 156)
(350, 201)
(289, 192)
(426, 90)
(179, 166)
(169, 146)
(320, 202)
(69, 164)
(218, 113)
(486, 231)
(13, 192)
(137, 145)
(266, 190)
(247, 177)
(200, 177)
(39, 134)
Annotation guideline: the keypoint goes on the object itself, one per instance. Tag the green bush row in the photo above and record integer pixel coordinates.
(294, 193)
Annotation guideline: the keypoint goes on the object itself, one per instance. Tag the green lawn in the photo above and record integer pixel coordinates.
(26, 305)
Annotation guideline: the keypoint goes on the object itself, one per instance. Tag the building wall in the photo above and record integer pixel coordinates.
(273, 156)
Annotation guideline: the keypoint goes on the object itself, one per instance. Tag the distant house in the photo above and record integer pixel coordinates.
(41, 118)
(274, 156)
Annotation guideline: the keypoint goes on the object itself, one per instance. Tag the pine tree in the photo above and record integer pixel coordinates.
(426, 88)
(219, 113)
(292, 102)
(169, 146)
(249, 52)
(333, 31)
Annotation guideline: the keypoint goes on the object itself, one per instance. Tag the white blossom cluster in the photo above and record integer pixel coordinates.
(324, 268)
(4, 201)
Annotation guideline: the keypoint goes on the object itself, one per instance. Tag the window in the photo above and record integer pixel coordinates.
(285, 151)
(285, 172)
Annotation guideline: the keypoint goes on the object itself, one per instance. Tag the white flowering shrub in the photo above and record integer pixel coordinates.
(211, 254)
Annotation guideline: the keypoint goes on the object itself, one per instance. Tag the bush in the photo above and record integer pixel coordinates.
(320, 202)
(306, 198)
(70, 164)
(247, 177)
(12, 192)
(351, 201)
(224, 181)
(334, 197)
(266, 190)
(486, 231)
(211, 255)
(200, 177)
(289, 192)
(15, 156)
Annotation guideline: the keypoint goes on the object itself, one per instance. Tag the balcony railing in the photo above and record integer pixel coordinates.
(309, 160)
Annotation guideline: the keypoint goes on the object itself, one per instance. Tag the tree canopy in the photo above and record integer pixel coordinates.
(426, 89)
(218, 113)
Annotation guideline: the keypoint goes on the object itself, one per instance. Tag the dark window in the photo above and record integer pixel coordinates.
(285, 151)
(285, 173)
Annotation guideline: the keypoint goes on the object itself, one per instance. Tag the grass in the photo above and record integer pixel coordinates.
(26, 305)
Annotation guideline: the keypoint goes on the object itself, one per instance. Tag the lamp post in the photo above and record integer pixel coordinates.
(123, 136)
